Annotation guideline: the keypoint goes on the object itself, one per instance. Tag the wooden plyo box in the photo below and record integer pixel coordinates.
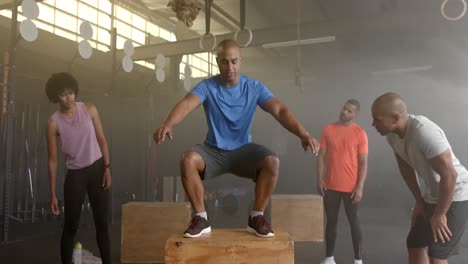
(301, 215)
(146, 227)
(230, 246)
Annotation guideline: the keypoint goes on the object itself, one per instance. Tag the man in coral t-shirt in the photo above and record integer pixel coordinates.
(341, 172)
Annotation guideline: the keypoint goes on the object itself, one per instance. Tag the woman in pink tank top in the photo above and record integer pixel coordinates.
(76, 129)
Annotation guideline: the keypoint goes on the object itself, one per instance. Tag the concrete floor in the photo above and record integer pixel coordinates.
(384, 240)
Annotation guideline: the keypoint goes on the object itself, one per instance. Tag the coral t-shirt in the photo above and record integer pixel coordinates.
(343, 145)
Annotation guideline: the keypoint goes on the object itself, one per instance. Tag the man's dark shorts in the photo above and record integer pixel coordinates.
(420, 235)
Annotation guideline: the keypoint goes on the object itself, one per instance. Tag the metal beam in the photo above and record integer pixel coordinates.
(190, 46)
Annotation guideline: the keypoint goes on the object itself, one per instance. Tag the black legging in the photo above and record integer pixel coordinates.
(77, 184)
(332, 202)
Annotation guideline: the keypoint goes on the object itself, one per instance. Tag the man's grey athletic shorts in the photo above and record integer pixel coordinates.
(242, 161)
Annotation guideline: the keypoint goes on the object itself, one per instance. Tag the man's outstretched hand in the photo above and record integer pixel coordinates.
(309, 141)
(161, 133)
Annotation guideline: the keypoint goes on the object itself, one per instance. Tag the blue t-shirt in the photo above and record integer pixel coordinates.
(229, 110)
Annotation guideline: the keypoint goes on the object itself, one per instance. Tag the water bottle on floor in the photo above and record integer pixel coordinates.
(77, 253)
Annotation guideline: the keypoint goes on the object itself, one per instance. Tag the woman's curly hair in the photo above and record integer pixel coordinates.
(57, 83)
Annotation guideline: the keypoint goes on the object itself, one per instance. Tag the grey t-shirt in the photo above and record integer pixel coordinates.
(423, 141)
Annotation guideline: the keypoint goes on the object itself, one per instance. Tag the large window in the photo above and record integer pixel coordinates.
(63, 18)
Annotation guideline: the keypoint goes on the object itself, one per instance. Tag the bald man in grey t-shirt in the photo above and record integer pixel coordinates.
(434, 175)
(423, 141)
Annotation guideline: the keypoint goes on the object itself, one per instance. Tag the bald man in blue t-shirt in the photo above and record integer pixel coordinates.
(230, 100)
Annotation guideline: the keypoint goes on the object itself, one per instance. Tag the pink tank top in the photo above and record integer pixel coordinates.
(78, 140)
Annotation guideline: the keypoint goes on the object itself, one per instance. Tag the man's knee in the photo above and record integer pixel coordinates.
(270, 163)
(191, 160)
